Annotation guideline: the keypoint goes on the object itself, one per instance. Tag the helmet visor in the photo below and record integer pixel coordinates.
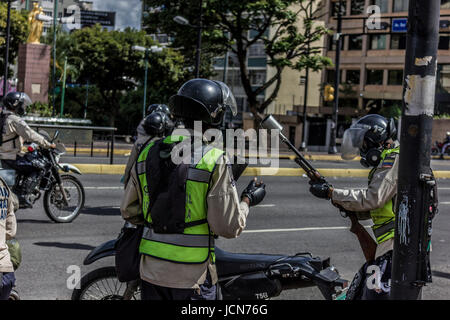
(26, 100)
(228, 98)
(352, 142)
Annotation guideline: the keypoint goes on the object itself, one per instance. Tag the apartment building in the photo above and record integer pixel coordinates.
(372, 61)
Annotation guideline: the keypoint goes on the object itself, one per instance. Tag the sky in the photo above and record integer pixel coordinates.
(128, 12)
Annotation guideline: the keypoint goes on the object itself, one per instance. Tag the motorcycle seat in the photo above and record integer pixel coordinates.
(229, 263)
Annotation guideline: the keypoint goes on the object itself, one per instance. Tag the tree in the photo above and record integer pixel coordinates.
(107, 60)
(286, 28)
(18, 34)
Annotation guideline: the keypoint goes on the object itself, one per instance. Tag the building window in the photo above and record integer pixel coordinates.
(332, 44)
(400, 5)
(353, 76)
(395, 77)
(257, 50)
(257, 77)
(374, 77)
(377, 42)
(355, 42)
(382, 4)
(335, 8)
(444, 42)
(398, 41)
(445, 4)
(330, 75)
(357, 7)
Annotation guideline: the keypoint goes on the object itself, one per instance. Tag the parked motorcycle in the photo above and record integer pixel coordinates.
(64, 194)
(241, 276)
(436, 149)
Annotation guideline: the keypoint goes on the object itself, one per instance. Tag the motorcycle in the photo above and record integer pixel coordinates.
(436, 149)
(241, 276)
(64, 194)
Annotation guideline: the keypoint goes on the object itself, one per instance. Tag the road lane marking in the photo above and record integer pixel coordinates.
(298, 229)
(264, 206)
(444, 203)
(103, 188)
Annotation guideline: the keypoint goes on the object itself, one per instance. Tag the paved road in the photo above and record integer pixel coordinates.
(49, 248)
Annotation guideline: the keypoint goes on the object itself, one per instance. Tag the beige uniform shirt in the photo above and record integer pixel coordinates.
(382, 188)
(8, 226)
(16, 130)
(226, 216)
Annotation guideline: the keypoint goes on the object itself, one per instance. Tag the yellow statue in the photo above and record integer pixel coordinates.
(36, 26)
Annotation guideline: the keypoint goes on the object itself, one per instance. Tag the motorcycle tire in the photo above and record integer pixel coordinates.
(79, 207)
(95, 281)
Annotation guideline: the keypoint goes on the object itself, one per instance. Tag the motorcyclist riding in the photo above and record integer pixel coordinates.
(186, 204)
(14, 132)
(156, 124)
(445, 144)
(373, 137)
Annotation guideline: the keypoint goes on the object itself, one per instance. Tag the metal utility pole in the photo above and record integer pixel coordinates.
(305, 100)
(86, 100)
(413, 216)
(8, 35)
(199, 42)
(55, 17)
(145, 82)
(332, 148)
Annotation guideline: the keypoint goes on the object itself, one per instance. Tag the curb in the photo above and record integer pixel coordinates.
(310, 157)
(118, 169)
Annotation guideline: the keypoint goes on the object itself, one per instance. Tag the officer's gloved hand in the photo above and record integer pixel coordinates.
(255, 192)
(320, 189)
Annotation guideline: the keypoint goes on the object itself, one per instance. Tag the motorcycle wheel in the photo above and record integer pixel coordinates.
(102, 284)
(434, 152)
(54, 204)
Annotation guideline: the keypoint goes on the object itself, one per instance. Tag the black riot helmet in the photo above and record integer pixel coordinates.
(158, 107)
(17, 102)
(157, 123)
(368, 136)
(203, 100)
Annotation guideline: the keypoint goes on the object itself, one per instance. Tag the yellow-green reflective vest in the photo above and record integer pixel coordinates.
(196, 243)
(384, 218)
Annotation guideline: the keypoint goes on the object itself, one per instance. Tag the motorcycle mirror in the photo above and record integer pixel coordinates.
(55, 135)
(269, 123)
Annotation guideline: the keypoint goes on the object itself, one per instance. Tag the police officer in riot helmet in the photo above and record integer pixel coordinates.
(207, 201)
(14, 132)
(158, 107)
(156, 124)
(373, 138)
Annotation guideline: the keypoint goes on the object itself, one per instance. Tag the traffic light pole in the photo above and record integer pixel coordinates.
(410, 263)
(8, 34)
(332, 148)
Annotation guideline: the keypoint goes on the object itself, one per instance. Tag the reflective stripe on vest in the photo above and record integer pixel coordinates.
(196, 243)
(383, 218)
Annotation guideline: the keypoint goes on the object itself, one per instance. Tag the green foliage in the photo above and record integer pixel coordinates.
(18, 34)
(286, 28)
(106, 59)
(392, 111)
(40, 109)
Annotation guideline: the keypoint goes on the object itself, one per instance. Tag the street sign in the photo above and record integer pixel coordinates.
(104, 18)
(88, 18)
(399, 25)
